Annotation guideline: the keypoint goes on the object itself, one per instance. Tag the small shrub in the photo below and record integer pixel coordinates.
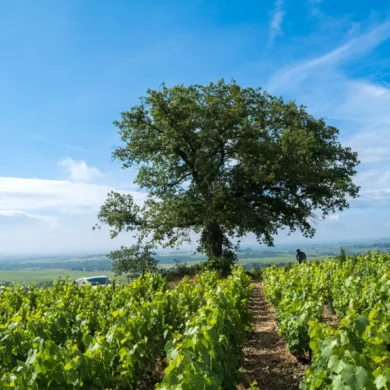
(256, 274)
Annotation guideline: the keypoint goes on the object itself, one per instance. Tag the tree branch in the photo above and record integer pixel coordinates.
(176, 182)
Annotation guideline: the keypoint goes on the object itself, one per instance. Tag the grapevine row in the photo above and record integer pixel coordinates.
(71, 337)
(355, 354)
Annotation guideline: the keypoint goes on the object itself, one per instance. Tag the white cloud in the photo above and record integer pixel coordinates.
(372, 144)
(31, 208)
(51, 221)
(277, 20)
(363, 101)
(334, 217)
(78, 170)
(54, 195)
(375, 187)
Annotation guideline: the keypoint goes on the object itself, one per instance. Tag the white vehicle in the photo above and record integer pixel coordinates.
(94, 281)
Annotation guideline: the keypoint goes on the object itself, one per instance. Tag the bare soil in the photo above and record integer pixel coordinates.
(266, 358)
(151, 379)
(329, 318)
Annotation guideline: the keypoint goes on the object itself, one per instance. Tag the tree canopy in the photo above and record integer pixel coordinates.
(133, 261)
(224, 161)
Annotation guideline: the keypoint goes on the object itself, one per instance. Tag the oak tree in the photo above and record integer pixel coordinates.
(224, 161)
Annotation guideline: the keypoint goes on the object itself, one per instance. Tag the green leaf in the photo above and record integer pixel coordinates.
(336, 365)
(354, 377)
(338, 384)
(381, 382)
(32, 355)
(361, 323)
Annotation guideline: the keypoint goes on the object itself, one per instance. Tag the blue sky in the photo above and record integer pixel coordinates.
(68, 68)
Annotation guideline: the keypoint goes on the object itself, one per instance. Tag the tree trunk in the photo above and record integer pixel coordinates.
(213, 239)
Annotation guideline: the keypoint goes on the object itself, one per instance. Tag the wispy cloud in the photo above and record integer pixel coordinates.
(355, 47)
(51, 221)
(354, 29)
(322, 84)
(62, 145)
(314, 7)
(76, 148)
(78, 170)
(358, 106)
(38, 137)
(277, 20)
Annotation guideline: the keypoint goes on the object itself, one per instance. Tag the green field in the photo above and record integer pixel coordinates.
(27, 276)
(35, 269)
(264, 260)
(257, 260)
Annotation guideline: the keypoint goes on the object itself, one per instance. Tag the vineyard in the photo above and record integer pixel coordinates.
(333, 314)
(71, 337)
(337, 314)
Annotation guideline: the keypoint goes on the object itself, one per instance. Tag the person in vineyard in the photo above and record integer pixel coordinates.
(301, 256)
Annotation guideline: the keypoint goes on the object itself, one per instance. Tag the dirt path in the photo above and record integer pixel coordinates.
(266, 359)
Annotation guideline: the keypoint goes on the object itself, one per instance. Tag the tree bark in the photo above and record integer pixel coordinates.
(213, 239)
